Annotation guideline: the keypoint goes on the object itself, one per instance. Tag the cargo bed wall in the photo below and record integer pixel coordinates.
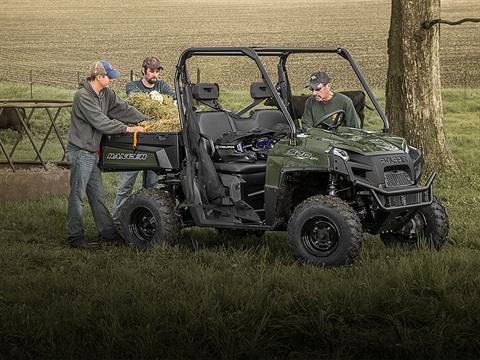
(143, 151)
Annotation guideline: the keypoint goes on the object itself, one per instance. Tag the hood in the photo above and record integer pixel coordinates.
(356, 140)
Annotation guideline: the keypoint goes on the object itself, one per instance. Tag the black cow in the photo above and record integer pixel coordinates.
(357, 97)
(9, 119)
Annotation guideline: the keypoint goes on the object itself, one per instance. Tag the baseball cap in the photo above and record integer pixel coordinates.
(103, 67)
(152, 63)
(318, 80)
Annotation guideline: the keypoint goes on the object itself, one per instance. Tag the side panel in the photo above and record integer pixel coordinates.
(152, 151)
(307, 154)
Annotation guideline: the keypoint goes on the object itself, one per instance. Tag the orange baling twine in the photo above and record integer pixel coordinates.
(146, 127)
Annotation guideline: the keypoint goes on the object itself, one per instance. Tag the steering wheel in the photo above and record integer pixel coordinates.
(338, 120)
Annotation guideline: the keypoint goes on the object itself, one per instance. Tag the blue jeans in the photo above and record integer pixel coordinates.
(125, 188)
(86, 179)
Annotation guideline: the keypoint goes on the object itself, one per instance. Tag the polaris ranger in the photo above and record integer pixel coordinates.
(256, 170)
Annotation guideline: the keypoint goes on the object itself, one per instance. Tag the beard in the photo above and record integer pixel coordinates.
(151, 81)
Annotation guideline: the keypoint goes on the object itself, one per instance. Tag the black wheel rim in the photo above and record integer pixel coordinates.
(320, 236)
(143, 224)
(413, 231)
(415, 228)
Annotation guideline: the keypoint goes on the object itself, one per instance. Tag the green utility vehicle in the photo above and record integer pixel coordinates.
(255, 169)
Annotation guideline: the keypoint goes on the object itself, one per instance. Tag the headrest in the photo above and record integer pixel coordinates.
(259, 90)
(205, 91)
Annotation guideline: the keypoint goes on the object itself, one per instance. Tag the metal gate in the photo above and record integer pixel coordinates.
(52, 109)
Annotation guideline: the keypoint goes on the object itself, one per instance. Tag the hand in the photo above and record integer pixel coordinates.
(131, 129)
(155, 95)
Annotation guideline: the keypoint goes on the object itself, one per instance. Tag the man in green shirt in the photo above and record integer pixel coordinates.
(324, 101)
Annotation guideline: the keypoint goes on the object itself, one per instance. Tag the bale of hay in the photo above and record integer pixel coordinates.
(164, 116)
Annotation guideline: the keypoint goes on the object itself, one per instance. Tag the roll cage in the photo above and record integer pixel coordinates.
(281, 91)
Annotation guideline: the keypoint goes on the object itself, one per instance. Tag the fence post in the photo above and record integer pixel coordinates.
(131, 74)
(198, 75)
(31, 84)
(78, 77)
(465, 78)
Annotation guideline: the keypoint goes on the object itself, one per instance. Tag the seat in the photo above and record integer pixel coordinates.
(258, 166)
(269, 118)
(213, 124)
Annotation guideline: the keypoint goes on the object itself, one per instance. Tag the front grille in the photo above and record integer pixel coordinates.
(397, 178)
(407, 199)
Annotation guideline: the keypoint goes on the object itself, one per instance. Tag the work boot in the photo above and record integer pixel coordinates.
(117, 240)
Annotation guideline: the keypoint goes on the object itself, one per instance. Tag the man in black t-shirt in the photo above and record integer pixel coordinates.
(152, 85)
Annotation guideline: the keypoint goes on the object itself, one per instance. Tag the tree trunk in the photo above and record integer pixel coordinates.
(414, 99)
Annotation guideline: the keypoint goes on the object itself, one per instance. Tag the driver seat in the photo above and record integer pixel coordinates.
(213, 124)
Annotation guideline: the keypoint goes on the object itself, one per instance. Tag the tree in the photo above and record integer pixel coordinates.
(414, 99)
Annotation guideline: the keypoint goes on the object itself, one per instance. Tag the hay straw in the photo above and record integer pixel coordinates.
(164, 117)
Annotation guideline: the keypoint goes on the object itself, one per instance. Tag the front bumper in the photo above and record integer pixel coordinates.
(401, 199)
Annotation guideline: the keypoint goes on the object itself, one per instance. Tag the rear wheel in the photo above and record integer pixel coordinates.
(324, 230)
(429, 223)
(150, 216)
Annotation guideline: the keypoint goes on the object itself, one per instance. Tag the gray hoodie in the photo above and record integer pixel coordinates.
(96, 114)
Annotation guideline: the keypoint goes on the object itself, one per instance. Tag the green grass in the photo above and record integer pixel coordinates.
(216, 297)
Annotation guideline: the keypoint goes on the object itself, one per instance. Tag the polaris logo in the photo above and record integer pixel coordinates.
(126, 156)
(394, 159)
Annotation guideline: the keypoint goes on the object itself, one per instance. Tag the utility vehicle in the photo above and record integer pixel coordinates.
(255, 170)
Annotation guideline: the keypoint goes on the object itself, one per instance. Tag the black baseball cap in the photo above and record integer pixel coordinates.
(318, 80)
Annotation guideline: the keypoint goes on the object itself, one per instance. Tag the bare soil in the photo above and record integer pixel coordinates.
(27, 184)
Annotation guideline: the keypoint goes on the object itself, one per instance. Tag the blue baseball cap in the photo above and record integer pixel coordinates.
(103, 67)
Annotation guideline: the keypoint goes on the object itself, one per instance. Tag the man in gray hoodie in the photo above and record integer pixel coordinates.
(96, 110)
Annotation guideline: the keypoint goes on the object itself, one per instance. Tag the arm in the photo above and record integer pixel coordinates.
(164, 88)
(351, 117)
(119, 109)
(91, 113)
(307, 118)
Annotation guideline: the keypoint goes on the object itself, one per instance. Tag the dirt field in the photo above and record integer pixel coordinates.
(58, 39)
(33, 182)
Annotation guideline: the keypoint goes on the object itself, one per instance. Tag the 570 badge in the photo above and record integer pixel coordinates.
(126, 156)
(300, 154)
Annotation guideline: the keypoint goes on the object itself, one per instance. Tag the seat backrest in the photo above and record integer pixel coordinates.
(213, 124)
(261, 118)
(268, 118)
(205, 91)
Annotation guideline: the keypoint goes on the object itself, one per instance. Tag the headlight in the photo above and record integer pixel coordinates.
(418, 170)
(416, 156)
(341, 153)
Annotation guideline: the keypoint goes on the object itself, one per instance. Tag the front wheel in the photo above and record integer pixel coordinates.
(429, 223)
(150, 216)
(325, 231)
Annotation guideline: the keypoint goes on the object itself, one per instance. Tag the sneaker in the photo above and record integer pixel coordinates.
(85, 245)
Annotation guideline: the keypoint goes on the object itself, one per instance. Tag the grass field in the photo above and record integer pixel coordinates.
(216, 297)
(56, 40)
